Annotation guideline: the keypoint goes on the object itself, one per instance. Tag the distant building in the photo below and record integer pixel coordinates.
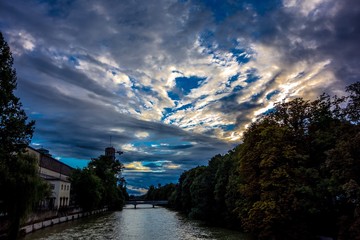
(110, 152)
(56, 174)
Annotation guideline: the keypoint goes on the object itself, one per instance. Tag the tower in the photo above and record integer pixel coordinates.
(110, 151)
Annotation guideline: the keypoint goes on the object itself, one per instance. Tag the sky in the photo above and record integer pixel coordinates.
(171, 83)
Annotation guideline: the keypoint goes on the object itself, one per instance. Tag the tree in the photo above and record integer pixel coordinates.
(15, 131)
(87, 188)
(353, 107)
(109, 170)
(201, 193)
(282, 185)
(295, 176)
(24, 189)
(342, 168)
(222, 193)
(107, 188)
(16, 172)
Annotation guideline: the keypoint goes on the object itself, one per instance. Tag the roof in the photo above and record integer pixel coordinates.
(48, 162)
(55, 165)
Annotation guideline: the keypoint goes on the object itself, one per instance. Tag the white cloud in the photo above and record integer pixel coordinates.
(141, 135)
(21, 41)
(305, 6)
(117, 130)
(136, 166)
(172, 166)
(137, 189)
(129, 148)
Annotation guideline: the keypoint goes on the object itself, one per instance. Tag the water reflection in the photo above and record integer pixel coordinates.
(143, 223)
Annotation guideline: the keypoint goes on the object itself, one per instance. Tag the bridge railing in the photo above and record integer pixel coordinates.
(148, 202)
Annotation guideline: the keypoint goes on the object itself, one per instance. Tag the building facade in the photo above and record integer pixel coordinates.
(57, 175)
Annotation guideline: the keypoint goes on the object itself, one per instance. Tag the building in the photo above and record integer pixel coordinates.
(110, 152)
(57, 175)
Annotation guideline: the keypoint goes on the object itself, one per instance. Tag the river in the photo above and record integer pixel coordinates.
(143, 223)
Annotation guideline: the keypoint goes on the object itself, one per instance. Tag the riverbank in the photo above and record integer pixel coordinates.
(44, 221)
(33, 226)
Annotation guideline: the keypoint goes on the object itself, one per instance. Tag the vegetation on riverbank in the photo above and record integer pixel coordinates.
(99, 184)
(295, 176)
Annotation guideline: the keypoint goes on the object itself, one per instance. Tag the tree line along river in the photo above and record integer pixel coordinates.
(143, 223)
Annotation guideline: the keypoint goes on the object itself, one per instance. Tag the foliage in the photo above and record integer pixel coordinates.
(15, 131)
(18, 172)
(103, 175)
(160, 193)
(24, 189)
(353, 107)
(87, 188)
(295, 176)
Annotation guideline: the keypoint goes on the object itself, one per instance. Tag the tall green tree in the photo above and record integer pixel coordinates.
(24, 189)
(15, 131)
(17, 173)
(99, 184)
(87, 188)
(109, 170)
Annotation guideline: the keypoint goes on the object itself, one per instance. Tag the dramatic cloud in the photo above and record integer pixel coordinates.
(171, 82)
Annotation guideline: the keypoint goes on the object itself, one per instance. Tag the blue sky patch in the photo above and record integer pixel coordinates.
(240, 55)
(255, 96)
(237, 89)
(207, 39)
(167, 111)
(223, 9)
(180, 147)
(188, 83)
(75, 162)
(262, 7)
(229, 127)
(184, 107)
(251, 76)
(73, 60)
(142, 88)
(273, 93)
(269, 111)
(173, 95)
(232, 79)
(184, 85)
(203, 96)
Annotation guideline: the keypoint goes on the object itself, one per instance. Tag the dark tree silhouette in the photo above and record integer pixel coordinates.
(295, 176)
(18, 173)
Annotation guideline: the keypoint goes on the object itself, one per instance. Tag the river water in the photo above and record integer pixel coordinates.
(143, 223)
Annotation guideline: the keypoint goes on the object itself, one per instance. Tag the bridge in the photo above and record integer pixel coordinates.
(148, 202)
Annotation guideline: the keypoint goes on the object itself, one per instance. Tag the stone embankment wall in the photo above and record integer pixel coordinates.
(39, 224)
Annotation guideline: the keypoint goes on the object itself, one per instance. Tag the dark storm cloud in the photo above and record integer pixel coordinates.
(331, 31)
(88, 70)
(129, 30)
(142, 181)
(64, 73)
(85, 126)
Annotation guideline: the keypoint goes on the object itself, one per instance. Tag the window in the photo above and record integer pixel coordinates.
(52, 186)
